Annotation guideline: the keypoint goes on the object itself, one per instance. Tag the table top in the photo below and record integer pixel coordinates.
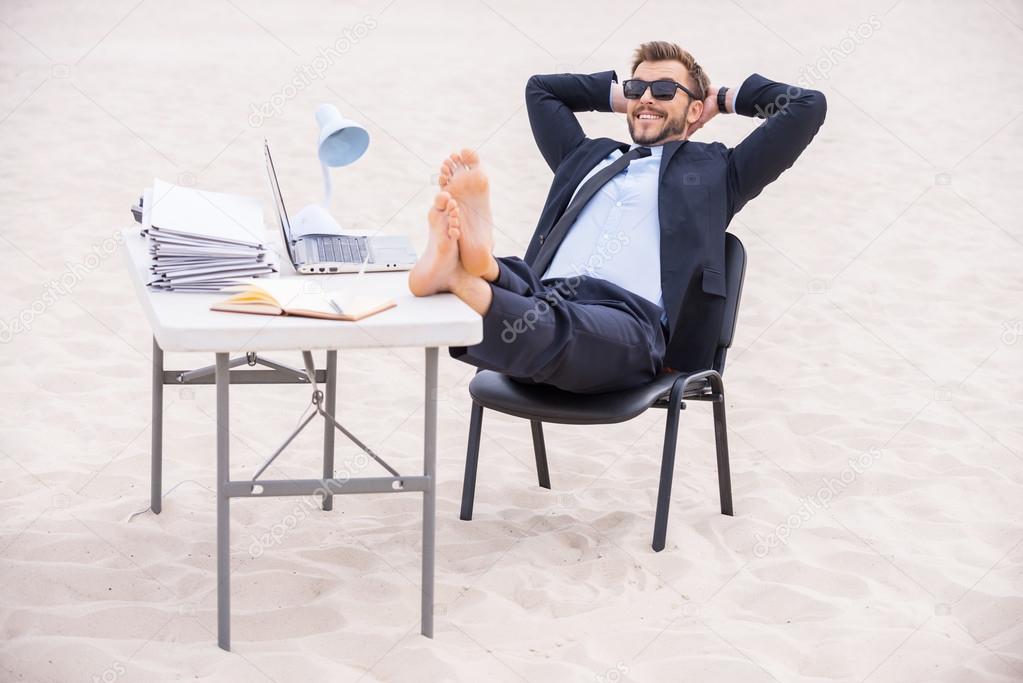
(184, 321)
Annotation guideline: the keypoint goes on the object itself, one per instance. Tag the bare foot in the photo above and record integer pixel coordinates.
(462, 176)
(438, 265)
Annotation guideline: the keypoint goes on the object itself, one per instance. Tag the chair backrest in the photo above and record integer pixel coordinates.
(735, 274)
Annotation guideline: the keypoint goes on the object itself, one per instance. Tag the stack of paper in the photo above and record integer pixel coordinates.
(202, 241)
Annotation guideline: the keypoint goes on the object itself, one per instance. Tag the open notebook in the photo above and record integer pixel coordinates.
(303, 298)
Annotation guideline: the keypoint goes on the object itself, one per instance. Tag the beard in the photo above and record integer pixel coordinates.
(670, 128)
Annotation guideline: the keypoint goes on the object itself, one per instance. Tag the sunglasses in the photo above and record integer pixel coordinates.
(663, 90)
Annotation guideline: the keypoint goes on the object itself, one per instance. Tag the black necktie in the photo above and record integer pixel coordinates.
(549, 243)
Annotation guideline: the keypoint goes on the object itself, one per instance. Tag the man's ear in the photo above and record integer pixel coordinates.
(695, 111)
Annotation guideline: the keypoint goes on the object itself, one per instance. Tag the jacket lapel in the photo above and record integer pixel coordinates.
(671, 241)
(667, 154)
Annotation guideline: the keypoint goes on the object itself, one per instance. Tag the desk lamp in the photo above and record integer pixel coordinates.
(341, 142)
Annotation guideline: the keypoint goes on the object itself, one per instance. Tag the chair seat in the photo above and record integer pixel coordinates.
(548, 404)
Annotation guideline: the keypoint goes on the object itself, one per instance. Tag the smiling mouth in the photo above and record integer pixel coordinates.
(649, 116)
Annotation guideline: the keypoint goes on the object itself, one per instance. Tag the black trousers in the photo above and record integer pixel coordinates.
(579, 334)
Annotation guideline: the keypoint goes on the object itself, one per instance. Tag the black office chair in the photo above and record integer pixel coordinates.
(539, 404)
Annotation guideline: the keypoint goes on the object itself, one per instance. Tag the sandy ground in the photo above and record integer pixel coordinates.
(881, 326)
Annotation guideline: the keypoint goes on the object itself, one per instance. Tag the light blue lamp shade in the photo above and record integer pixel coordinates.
(342, 141)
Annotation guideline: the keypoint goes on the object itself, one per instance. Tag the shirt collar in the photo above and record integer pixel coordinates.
(655, 150)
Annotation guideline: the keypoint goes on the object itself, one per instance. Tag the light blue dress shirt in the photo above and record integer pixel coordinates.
(617, 236)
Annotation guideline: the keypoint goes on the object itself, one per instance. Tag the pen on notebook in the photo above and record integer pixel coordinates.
(333, 304)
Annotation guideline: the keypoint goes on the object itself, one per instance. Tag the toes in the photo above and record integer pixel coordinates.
(457, 161)
(441, 201)
(454, 214)
(470, 158)
(454, 233)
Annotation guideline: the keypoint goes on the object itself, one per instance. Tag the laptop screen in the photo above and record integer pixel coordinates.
(282, 212)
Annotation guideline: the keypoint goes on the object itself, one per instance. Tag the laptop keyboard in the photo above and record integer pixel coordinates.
(341, 249)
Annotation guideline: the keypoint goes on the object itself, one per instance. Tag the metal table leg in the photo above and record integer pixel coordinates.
(330, 401)
(223, 504)
(226, 489)
(156, 446)
(430, 494)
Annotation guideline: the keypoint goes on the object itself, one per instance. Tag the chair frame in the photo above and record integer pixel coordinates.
(703, 385)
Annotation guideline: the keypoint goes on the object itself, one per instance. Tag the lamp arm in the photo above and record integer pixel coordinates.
(326, 186)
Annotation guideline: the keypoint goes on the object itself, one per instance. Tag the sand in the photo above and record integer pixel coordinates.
(874, 389)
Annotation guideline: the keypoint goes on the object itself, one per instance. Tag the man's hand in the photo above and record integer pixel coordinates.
(710, 108)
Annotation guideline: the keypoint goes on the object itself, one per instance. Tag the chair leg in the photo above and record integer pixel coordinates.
(667, 467)
(543, 474)
(721, 441)
(472, 455)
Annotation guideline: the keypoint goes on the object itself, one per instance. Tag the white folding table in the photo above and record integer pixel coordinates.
(183, 322)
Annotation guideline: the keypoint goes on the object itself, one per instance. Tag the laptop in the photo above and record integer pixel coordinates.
(338, 253)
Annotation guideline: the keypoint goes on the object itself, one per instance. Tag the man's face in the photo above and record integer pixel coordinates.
(654, 122)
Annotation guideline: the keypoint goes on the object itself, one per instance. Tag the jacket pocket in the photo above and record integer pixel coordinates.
(714, 282)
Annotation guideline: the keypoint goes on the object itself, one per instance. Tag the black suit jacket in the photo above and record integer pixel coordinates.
(702, 185)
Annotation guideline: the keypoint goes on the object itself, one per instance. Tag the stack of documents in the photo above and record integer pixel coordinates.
(202, 241)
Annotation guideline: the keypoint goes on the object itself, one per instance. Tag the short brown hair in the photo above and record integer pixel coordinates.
(660, 50)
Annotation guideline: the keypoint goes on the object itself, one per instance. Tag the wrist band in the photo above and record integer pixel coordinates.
(721, 100)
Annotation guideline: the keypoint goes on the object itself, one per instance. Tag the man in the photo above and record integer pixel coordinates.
(624, 276)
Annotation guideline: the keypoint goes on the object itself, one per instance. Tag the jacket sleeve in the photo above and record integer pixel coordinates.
(552, 102)
(793, 116)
